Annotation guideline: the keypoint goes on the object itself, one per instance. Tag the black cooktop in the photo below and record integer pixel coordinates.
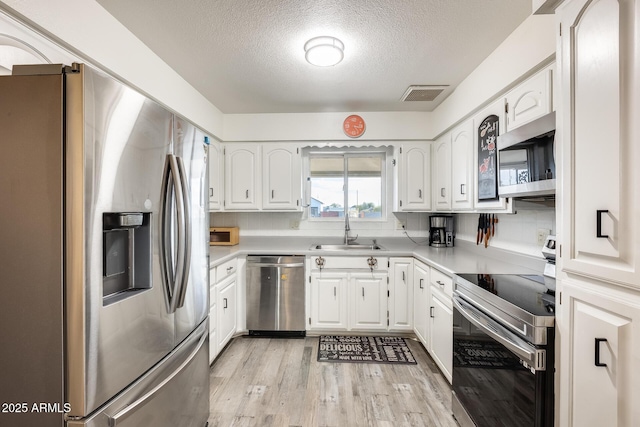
(531, 293)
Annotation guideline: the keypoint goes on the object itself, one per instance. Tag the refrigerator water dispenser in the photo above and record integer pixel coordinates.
(126, 254)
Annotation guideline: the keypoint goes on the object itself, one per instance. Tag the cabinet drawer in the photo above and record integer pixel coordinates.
(348, 262)
(226, 269)
(442, 281)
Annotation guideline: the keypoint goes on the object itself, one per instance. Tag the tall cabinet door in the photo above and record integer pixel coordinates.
(242, 172)
(414, 177)
(282, 181)
(442, 167)
(462, 166)
(599, 133)
(421, 302)
(328, 301)
(401, 294)
(216, 176)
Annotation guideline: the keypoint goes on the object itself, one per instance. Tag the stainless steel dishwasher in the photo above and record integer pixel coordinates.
(275, 295)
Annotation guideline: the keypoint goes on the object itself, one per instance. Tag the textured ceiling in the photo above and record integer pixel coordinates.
(247, 56)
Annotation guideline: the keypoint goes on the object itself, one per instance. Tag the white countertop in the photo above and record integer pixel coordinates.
(465, 257)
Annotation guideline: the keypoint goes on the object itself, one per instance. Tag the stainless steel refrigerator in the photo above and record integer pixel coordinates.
(103, 255)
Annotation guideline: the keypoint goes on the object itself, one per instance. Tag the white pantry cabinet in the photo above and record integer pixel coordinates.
(600, 135)
(531, 99)
(414, 177)
(242, 176)
(282, 180)
(600, 379)
(216, 176)
(599, 215)
(442, 172)
(421, 301)
(400, 294)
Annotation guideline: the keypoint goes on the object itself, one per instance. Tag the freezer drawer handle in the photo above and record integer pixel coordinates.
(127, 411)
(597, 361)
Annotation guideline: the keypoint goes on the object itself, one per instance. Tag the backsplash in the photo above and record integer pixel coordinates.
(514, 232)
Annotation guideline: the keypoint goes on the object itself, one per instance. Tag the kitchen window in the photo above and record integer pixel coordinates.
(351, 178)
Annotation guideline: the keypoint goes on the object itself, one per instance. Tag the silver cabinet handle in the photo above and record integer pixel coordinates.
(403, 278)
(334, 291)
(442, 192)
(363, 292)
(229, 269)
(273, 194)
(129, 410)
(246, 194)
(431, 312)
(421, 280)
(224, 301)
(462, 189)
(210, 192)
(439, 283)
(420, 193)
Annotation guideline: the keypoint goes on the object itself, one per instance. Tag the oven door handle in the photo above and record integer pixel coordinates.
(534, 357)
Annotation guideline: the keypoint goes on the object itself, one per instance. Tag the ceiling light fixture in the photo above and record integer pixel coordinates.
(324, 51)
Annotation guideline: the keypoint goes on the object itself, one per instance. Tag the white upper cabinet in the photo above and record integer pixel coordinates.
(599, 135)
(414, 177)
(485, 163)
(462, 166)
(442, 173)
(242, 173)
(216, 176)
(282, 181)
(531, 99)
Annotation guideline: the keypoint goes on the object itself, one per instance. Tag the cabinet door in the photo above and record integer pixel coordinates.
(599, 133)
(226, 308)
(441, 329)
(328, 301)
(462, 166)
(442, 168)
(282, 181)
(401, 294)
(498, 204)
(529, 100)
(414, 183)
(242, 169)
(216, 176)
(369, 300)
(599, 329)
(421, 302)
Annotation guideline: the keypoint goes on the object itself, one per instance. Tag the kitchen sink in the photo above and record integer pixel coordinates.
(343, 247)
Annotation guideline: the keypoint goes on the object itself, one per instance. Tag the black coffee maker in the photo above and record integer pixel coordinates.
(441, 234)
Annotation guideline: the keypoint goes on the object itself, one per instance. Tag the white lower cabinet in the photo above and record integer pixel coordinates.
(421, 301)
(222, 306)
(600, 355)
(401, 294)
(441, 331)
(226, 308)
(368, 300)
(328, 296)
(347, 297)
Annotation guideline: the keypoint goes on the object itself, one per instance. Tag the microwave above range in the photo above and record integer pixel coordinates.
(526, 159)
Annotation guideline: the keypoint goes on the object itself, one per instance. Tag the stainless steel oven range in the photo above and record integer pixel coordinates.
(503, 350)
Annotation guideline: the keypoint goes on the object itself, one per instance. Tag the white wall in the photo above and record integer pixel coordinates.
(89, 32)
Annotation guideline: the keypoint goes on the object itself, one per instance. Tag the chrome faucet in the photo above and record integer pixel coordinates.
(347, 228)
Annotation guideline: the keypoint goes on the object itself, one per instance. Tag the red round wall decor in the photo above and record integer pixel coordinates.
(353, 126)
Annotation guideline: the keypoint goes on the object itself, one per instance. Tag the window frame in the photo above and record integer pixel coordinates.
(346, 153)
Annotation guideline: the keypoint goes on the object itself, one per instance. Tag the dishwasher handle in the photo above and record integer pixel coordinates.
(277, 264)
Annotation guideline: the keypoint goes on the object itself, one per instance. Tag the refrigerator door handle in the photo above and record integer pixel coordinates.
(172, 274)
(186, 232)
(128, 410)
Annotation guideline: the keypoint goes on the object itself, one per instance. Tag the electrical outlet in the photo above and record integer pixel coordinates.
(294, 224)
(542, 235)
(400, 225)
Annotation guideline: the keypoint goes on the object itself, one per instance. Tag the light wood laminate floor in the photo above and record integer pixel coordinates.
(279, 382)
